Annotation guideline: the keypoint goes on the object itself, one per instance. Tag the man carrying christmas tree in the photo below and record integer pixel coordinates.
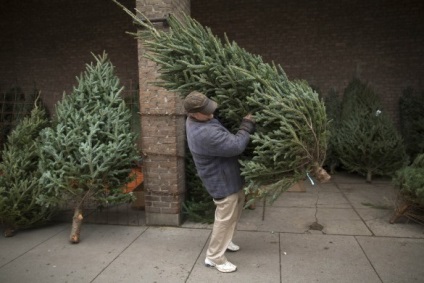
(215, 152)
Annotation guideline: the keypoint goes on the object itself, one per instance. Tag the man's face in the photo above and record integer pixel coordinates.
(202, 117)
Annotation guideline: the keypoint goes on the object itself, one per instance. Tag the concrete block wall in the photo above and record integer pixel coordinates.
(162, 130)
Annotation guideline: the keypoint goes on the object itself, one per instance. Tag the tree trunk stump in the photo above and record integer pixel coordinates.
(76, 225)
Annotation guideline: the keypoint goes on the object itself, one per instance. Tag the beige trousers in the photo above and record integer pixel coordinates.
(227, 214)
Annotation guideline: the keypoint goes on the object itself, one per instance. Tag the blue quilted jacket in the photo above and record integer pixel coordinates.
(215, 153)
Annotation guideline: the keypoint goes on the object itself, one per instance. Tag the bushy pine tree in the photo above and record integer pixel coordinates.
(15, 105)
(411, 113)
(291, 135)
(367, 141)
(19, 179)
(333, 110)
(199, 205)
(88, 153)
(410, 182)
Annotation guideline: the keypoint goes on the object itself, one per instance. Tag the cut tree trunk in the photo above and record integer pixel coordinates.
(321, 174)
(369, 177)
(399, 211)
(76, 225)
(9, 232)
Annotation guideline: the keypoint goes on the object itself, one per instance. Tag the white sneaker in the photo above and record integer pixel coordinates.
(226, 267)
(232, 247)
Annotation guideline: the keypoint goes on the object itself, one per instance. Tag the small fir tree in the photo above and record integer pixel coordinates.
(89, 152)
(19, 179)
(411, 113)
(410, 182)
(291, 135)
(199, 205)
(367, 141)
(15, 105)
(333, 110)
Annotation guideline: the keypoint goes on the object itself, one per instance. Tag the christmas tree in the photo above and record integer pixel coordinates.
(333, 110)
(199, 205)
(410, 182)
(366, 141)
(19, 179)
(411, 114)
(291, 136)
(14, 106)
(88, 154)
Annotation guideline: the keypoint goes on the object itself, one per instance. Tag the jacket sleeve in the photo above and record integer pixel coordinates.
(218, 141)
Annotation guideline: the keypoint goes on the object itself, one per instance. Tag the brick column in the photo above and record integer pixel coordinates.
(162, 130)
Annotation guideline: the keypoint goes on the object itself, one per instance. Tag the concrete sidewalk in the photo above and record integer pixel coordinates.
(352, 243)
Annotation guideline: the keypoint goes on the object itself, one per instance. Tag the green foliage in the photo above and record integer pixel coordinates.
(333, 109)
(291, 140)
(19, 186)
(411, 113)
(410, 181)
(366, 141)
(88, 153)
(291, 135)
(133, 103)
(199, 205)
(14, 106)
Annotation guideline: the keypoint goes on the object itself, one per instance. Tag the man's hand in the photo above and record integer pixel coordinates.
(248, 124)
(249, 117)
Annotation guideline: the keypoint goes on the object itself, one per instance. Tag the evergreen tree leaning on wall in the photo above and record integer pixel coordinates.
(199, 205)
(291, 135)
(15, 105)
(367, 141)
(88, 153)
(411, 113)
(19, 180)
(332, 107)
